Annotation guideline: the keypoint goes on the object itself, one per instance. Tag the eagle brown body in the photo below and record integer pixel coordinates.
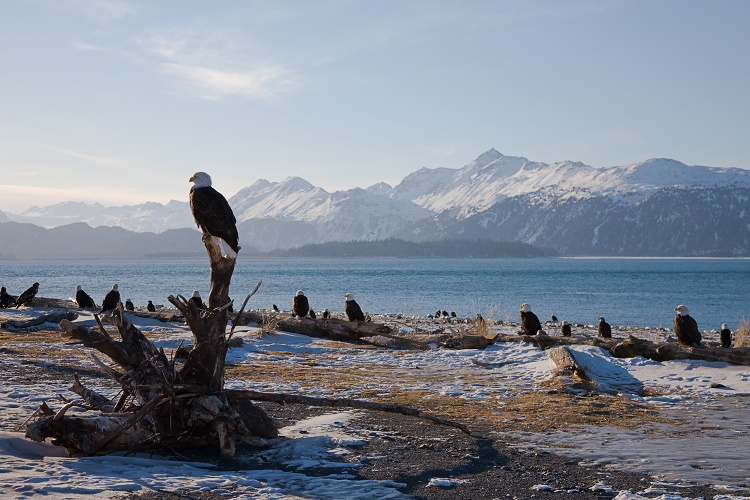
(530, 324)
(604, 330)
(27, 297)
(212, 212)
(352, 309)
(685, 327)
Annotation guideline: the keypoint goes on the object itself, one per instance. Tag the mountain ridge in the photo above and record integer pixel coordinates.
(439, 203)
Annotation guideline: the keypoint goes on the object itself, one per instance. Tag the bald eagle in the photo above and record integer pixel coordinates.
(27, 297)
(352, 309)
(685, 327)
(213, 214)
(300, 304)
(566, 329)
(111, 300)
(83, 299)
(196, 299)
(530, 324)
(150, 307)
(6, 299)
(726, 336)
(603, 330)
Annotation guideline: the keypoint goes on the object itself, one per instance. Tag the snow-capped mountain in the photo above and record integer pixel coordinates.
(147, 217)
(493, 177)
(317, 216)
(566, 206)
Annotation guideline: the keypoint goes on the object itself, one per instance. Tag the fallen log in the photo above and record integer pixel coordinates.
(53, 317)
(332, 328)
(633, 346)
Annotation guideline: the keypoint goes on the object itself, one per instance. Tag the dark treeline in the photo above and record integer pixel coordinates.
(408, 249)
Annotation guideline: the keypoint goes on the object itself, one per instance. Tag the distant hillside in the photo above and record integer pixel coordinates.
(81, 241)
(408, 249)
(705, 222)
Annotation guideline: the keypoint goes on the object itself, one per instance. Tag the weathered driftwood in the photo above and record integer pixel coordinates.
(164, 404)
(632, 347)
(53, 317)
(333, 328)
(164, 408)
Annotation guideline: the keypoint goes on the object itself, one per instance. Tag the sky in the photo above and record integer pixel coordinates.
(120, 102)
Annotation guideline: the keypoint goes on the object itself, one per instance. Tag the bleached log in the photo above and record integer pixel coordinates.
(53, 317)
(332, 328)
(632, 347)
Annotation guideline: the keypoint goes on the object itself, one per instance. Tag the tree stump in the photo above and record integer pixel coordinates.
(161, 404)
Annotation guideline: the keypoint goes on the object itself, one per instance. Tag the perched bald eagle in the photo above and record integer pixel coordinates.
(27, 297)
(6, 299)
(129, 305)
(111, 300)
(604, 330)
(196, 299)
(529, 321)
(685, 327)
(213, 214)
(726, 336)
(352, 309)
(300, 304)
(150, 307)
(565, 329)
(326, 314)
(83, 299)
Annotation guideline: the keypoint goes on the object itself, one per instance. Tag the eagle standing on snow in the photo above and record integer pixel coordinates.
(685, 327)
(111, 300)
(6, 299)
(603, 330)
(352, 309)
(213, 214)
(27, 297)
(530, 324)
(83, 299)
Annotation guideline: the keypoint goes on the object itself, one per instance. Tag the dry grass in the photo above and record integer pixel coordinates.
(742, 335)
(268, 325)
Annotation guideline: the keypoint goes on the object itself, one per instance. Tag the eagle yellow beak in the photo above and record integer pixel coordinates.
(192, 179)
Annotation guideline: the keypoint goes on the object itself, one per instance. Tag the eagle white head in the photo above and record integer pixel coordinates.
(683, 310)
(601, 318)
(300, 293)
(114, 287)
(349, 297)
(724, 326)
(196, 294)
(78, 288)
(201, 179)
(525, 307)
(565, 323)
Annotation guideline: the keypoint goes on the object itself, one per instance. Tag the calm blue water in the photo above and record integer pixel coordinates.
(635, 292)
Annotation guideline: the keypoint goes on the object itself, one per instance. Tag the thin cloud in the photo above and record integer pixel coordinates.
(215, 65)
(100, 160)
(263, 83)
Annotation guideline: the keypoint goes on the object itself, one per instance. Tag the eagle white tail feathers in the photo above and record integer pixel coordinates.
(228, 251)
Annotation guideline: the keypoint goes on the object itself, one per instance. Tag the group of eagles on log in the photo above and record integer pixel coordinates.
(111, 299)
(685, 327)
(301, 308)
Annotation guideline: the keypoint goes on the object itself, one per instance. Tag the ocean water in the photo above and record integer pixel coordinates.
(627, 292)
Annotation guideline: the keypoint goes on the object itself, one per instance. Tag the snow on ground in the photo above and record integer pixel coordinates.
(710, 447)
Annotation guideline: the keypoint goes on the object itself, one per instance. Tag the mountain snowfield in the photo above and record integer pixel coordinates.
(473, 201)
